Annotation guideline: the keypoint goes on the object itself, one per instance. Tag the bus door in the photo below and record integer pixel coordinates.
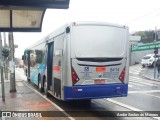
(58, 65)
(49, 66)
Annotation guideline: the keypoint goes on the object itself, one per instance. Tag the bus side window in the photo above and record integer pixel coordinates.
(39, 56)
(59, 63)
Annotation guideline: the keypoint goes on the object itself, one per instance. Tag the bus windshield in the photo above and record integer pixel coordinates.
(99, 41)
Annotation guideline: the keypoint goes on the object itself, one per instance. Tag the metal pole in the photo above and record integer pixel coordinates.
(1, 66)
(12, 67)
(0, 49)
(5, 65)
(130, 54)
(4, 35)
(2, 84)
(155, 53)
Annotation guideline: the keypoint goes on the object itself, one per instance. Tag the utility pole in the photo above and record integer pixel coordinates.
(1, 66)
(155, 53)
(12, 66)
(5, 60)
(0, 49)
(4, 36)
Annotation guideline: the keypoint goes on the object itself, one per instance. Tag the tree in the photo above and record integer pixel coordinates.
(147, 36)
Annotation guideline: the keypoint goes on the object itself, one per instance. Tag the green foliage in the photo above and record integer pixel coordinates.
(5, 52)
(146, 36)
(6, 70)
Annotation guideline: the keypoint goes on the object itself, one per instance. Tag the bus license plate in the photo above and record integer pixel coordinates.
(99, 81)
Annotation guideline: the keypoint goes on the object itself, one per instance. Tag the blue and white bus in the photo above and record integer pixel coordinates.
(81, 61)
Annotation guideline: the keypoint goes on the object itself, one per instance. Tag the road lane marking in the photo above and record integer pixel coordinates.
(127, 106)
(133, 73)
(136, 84)
(122, 104)
(136, 77)
(149, 91)
(142, 80)
(150, 84)
(135, 70)
(132, 77)
(150, 95)
(130, 85)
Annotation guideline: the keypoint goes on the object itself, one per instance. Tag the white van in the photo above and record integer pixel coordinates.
(148, 60)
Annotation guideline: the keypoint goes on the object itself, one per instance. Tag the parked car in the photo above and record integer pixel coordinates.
(149, 60)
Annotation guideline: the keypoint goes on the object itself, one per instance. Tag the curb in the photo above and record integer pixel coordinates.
(55, 105)
(150, 78)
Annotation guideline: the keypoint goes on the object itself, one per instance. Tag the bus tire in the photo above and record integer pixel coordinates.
(45, 89)
(39, 84)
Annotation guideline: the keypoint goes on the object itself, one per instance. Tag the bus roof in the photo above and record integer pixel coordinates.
(97, 23)
(78, 23)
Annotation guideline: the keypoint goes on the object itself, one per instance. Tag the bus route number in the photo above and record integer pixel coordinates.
(114, 69)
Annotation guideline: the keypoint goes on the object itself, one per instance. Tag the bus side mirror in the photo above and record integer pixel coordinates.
(67, 30)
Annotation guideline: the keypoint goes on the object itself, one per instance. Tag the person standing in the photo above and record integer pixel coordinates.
(158, 66)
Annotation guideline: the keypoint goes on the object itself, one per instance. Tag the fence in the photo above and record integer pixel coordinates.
(138, 52)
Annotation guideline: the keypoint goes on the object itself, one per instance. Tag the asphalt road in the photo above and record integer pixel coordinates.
(144, 95)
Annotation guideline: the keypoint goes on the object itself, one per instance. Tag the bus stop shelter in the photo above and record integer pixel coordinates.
(26, 15)
(23, 16)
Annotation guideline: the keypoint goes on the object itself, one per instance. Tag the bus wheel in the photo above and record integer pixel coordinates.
(45, 89)
(39, 84)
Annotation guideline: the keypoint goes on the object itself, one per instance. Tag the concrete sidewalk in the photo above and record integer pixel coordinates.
(26, 99)
(150, 75)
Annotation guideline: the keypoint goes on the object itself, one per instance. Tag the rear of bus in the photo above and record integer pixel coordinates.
(99, 61)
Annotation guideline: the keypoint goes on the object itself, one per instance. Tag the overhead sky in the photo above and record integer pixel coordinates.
(137, 14)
